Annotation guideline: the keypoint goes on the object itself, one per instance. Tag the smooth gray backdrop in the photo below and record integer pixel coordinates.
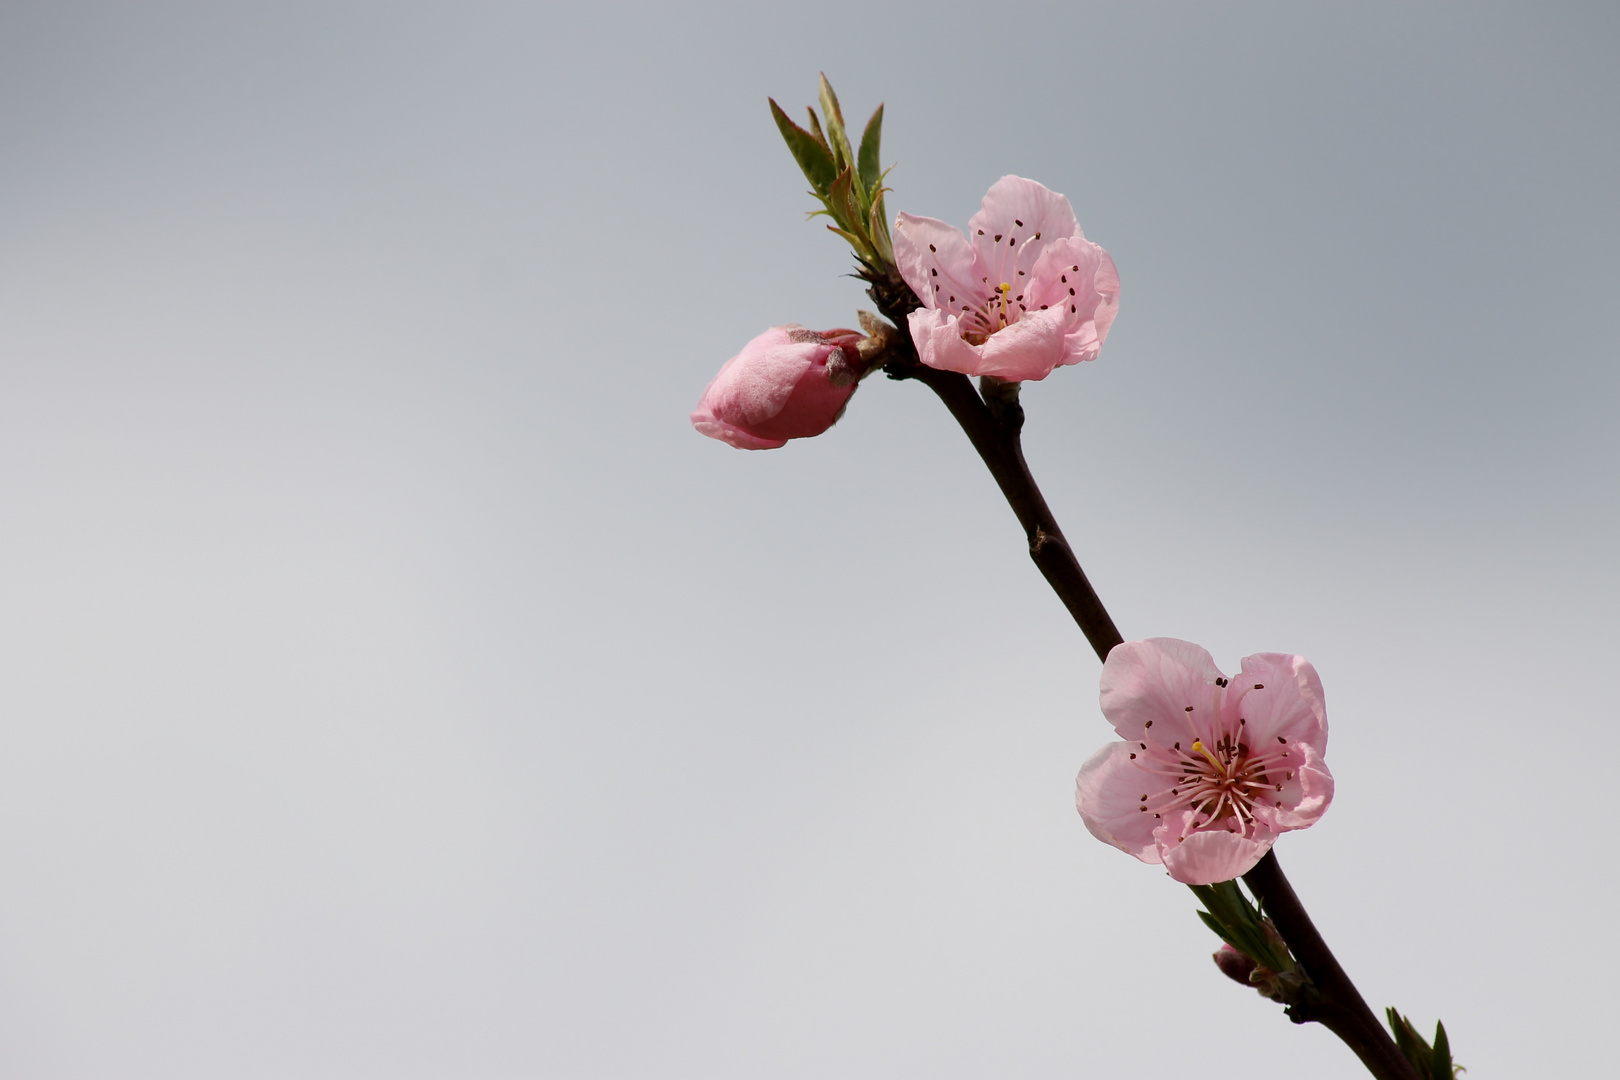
(393, 685)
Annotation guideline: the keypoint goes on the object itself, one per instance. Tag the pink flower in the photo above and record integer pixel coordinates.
(1022, 293)
(788, 383)
(1211, 770)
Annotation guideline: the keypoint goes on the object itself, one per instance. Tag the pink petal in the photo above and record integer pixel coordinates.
(1107, 795)
(715, 428)
(1212, 856)
(1151, 683)
(1027, 350)
(938, 337)
(1013, 212)
(1306, 797)
(1078, 278)
(936, 261)
(1290, 706)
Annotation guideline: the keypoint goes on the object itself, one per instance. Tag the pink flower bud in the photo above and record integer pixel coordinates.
(788, 383)
(1234, 965)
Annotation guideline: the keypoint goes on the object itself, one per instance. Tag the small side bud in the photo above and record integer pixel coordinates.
(1234, 965)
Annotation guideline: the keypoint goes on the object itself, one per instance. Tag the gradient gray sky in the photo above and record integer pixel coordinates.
(392, 684)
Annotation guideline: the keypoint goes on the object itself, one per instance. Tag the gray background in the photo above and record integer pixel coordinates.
(392, 684)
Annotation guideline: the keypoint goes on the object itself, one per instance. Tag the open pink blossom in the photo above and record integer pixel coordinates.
(1212, 769)
(788, 383)
(1024, 292)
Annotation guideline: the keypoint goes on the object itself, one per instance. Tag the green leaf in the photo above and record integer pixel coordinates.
(1220, 931)
(812, 156)
(1241, 925)
(839, 141)
(829, 104)
(856, 242)
(815, 129)
(1440, 1065)
(1412, 1046)
(841, 200)
(869, 168)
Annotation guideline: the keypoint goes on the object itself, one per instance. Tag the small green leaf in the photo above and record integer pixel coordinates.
(836, 137)
(1220, 931)
(809, 151)
(829, 103)
(1412, 1046)
(1440, 1064)
(871, 171)
(841, 200)
(815, 129)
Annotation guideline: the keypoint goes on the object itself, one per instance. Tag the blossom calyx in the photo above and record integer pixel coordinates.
(1023, 293)
(1211, 770)
(787, 383)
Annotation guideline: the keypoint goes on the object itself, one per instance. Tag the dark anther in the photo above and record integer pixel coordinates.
(998, 236)
(931, 247)
(1281, 739)
(1189, 708)
(1259, 686)
(1148, 724)
(1018, 223)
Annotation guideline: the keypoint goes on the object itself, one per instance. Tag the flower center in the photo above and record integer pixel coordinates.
(1223, 782)
(999, 310)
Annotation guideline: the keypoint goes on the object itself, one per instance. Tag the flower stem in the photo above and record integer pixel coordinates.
(993, 422)
(1337, 1004)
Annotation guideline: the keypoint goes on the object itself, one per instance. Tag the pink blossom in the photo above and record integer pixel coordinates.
(1021, 294)
(788, 383)
(1211, 770)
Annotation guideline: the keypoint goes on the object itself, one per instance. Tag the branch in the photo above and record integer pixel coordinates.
(993, 422)
(1340, 1007)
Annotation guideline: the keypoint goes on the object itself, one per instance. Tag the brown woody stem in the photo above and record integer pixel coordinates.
(993, 421)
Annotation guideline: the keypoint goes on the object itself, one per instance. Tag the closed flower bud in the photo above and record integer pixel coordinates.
(788, 383)
(1234, 965)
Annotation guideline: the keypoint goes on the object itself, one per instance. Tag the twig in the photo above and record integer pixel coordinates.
(993, 422)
